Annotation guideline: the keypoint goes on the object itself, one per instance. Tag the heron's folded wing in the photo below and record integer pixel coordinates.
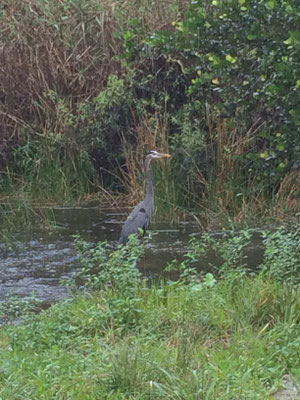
(137, 219)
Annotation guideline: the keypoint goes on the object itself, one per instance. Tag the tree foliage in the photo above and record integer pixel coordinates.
(241, 58)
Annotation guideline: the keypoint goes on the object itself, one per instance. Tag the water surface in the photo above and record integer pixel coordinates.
(46, 259)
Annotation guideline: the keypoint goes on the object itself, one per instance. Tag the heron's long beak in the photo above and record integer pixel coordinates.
(163, 155)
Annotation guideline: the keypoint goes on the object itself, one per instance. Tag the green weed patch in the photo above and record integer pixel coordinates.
(228, 336)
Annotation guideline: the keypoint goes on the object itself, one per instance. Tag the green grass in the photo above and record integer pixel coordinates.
(227, 336)
(176, 344)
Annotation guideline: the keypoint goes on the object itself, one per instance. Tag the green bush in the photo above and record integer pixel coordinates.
(240, 63)
(282, 254)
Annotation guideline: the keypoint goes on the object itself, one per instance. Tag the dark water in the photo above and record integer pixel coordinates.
(44, 260)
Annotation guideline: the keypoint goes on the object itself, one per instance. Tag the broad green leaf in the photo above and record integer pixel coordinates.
(231, 59)
(264, 155)
(271, 4)
(288, 41)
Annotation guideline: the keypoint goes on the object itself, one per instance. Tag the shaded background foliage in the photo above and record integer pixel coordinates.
(241, 64)
(88, 85)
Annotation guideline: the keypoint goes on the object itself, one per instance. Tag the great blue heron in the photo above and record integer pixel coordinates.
(141, 215)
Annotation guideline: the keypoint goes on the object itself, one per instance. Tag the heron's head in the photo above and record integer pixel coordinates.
(155, 154)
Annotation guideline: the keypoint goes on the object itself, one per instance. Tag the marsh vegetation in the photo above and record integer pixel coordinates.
(228, 334)
(86, 89)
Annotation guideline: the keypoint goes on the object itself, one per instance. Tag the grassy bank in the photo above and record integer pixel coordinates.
(230, 334)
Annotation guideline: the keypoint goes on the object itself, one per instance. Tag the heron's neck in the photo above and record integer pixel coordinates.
(149, 187)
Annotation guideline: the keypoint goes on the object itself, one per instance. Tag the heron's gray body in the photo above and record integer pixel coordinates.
(142, 213)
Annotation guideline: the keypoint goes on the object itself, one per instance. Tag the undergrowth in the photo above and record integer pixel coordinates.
(230, 334)
(89, 87)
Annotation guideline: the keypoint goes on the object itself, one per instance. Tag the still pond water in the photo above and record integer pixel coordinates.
(44, 260)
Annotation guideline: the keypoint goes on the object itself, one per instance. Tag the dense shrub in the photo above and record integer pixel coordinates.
(240, 61)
